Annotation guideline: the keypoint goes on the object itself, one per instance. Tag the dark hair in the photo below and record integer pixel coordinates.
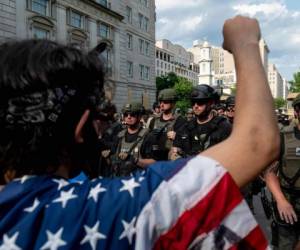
(44, 89)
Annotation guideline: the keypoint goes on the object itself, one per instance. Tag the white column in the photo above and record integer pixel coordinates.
(117, 61)
(61, 24)
(93, 32)
(21, 20)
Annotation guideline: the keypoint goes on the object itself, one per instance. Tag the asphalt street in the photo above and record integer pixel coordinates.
(261, 217)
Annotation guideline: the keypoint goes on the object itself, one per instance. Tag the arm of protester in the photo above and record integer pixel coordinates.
(285, 209)
(143, 163)
(254, 142)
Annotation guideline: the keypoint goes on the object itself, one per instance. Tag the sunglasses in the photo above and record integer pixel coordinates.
(131, 114)
(165, 102)
(199, 102)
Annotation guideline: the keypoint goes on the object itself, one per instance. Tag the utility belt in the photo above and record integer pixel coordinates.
(123, 167)
(291, 190)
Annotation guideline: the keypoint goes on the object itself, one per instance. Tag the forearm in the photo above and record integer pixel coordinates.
(144, 162)
(254, 141)
(273, 185)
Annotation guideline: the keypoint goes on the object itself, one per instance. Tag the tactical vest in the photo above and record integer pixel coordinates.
(160, 143)
(289, 169)
(123, 167)
(200, 142)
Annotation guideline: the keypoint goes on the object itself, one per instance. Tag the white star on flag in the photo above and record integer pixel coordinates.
(92, 235)
(25, 178)
(65, 196)
(54, 240)
(33, 207)
(129, 230)
(129, 185)
(10, 243)
(95, 191)
(141, 178)
(61, 183)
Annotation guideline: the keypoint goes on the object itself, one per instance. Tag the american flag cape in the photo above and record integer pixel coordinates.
(185, 204)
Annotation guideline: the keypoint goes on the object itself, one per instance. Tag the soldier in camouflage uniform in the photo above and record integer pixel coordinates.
(164, 127)
(284, 184)
(126, 155)
(230, 108)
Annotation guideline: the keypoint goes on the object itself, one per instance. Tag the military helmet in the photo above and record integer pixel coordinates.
(296, 101)
(155, 105)
(204, 92)
(167, 95)
(134, 107)
(189, 111)
(230, 101)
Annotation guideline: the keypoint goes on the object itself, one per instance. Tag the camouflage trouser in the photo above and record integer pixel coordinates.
(287, 237)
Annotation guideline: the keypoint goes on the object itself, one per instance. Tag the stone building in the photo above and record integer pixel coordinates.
(174, 58)
(276, 82)
(126, 26)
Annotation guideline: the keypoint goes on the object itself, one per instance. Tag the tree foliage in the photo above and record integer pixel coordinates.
(183, 90)
(167, 81)
(295, 83)
(279, 102)
(182, 86)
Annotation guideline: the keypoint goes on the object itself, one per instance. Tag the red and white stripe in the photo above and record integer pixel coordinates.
(191, 205)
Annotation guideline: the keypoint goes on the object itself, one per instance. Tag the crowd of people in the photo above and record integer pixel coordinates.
(154, 181)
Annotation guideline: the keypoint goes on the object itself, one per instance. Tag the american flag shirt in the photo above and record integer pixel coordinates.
(185, 204)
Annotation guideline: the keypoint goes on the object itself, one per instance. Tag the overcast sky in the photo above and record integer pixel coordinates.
(183, 21)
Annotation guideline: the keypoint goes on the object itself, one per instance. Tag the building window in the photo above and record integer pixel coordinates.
(141, 17)
(144, 2)
(42, 7)
(141, 46)
(39, 33)
(146, 24)
(129, 14)
(141, 72)
(143, 22)
(147, 48)
(129, 41)
(129, 69)
(157, 64)
(104, 30)
(75, 19)
(103, 2)
(146, 73)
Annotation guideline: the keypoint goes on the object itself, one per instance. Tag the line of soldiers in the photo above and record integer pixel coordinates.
(139, 140)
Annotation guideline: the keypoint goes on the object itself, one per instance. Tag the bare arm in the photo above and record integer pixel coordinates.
(143, 163)
(285, 209)
(254, 142)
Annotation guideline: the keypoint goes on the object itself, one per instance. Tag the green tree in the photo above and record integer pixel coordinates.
(167, 81)
(183, 89)
(279, 102)
(295, 83)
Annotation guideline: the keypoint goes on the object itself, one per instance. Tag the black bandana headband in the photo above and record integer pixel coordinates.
(37, 107)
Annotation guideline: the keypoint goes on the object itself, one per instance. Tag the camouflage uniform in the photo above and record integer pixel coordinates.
(128, 147)
(286, 235)
(158, 140)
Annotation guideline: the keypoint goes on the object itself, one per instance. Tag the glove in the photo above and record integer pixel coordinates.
(105, 153)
